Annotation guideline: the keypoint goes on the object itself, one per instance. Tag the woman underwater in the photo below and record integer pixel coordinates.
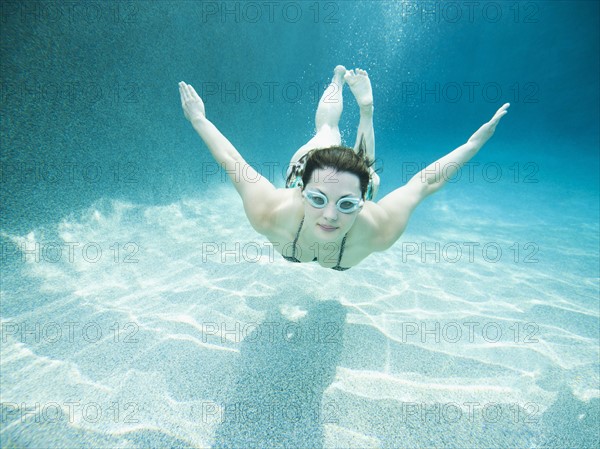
(326, 213)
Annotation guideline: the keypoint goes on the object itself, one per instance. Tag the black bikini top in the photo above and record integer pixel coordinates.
(293, 258)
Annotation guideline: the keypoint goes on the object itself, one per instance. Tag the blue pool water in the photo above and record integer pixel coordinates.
(140, 309)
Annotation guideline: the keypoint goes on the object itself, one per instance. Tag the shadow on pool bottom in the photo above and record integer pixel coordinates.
(277, 398)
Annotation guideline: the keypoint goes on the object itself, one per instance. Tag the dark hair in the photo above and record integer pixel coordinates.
(341, 159)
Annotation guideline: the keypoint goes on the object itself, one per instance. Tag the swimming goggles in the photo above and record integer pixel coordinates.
(345, 205)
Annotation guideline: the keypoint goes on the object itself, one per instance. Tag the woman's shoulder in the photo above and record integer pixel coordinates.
(285, 212)
(369, 229)
(367, 218)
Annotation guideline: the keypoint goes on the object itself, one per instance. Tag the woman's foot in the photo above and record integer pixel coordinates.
(331, 104)
(360, 85)
(338, 75)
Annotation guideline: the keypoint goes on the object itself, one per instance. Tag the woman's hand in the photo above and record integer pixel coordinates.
(497, 116)
(483, 134)
(192, 104)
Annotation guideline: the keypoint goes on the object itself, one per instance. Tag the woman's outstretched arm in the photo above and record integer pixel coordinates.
(247, 181)
(394, 209)
(437, 174)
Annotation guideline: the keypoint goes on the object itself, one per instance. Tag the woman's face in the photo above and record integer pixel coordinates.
(328, 223)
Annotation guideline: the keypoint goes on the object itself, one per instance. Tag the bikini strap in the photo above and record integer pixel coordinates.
(298, 235)
(296, 239)
(341, 252)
